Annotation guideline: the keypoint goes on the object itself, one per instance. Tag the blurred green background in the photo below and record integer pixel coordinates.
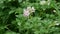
(45, 19)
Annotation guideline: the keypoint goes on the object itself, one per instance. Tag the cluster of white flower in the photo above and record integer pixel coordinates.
(28, 11)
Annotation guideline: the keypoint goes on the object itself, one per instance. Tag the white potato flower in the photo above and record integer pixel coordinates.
(28, 11)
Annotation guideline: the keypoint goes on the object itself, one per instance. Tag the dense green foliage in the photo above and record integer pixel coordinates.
(45, 19)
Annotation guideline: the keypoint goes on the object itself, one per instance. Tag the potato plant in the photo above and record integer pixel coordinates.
(29, 16)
